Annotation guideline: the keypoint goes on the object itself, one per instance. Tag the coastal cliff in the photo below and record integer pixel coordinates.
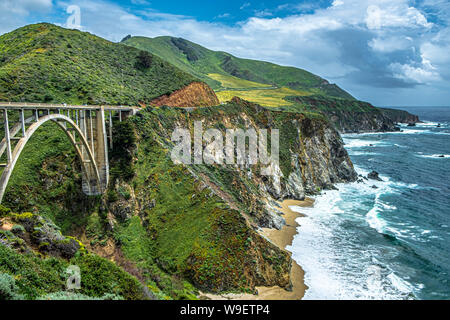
(353, 116)
(400, 116)
(180, 229)
(203, 219)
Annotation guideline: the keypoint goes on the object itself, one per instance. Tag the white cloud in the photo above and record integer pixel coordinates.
(245, 5)
(421, 74)
(24, 7)
(358, 43)
(395, 16)
(391, 44)
(13, 13)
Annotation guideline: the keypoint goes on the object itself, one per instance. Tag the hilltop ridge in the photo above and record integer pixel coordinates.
(207, 64)
(47, 63)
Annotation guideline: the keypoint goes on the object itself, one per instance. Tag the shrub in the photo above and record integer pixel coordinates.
(18, 229)
(100, 276)
(4, 211)
(8, 288)
(144, 60)
(67, 295)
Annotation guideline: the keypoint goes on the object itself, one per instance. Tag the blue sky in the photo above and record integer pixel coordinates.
(388, 52)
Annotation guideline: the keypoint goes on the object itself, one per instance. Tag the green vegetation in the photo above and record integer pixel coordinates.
(264, 97)
(8, 288)
(31, 276)
(227, 81)
(46, 63)
(192, 232)
(212, 67)
(121, 156)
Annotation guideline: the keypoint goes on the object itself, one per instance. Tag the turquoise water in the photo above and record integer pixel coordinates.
(390, 239)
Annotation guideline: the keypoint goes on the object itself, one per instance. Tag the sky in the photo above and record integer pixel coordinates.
(387, 52)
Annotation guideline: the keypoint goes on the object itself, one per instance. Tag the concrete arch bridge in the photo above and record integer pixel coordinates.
(88, 128)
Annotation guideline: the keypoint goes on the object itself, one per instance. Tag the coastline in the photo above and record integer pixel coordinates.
(281, 238)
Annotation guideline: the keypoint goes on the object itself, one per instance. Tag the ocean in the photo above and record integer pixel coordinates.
(390, 239)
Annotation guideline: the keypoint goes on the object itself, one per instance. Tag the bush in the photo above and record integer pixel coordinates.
(100, 277)
(67, 295)
(144, 60)
(112, 196)
(18, 229)
(4, 211)
(8, 288)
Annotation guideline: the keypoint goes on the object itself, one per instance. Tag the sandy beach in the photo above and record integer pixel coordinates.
(282, 238)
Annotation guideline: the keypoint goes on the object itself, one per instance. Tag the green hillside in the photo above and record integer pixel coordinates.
(46, 63)
(219, 69)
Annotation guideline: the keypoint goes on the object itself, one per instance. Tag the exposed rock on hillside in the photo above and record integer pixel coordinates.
(196, 94)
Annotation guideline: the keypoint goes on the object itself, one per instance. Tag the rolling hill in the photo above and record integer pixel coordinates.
(47, 63)
(270, 85)
(226, 74)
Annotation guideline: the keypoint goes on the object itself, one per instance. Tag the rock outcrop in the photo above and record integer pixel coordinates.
(196, 94)
(400, 116)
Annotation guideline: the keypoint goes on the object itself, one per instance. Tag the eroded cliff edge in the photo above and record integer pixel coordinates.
(203, 219)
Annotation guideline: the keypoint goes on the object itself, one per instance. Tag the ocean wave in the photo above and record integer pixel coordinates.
(331, 255)
(362, 153)
(361, 143)
(433, 156)
(428, 124)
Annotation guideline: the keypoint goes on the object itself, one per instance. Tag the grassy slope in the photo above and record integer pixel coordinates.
(46, 63)
(265, 97)
(36, 276)
(202, 62)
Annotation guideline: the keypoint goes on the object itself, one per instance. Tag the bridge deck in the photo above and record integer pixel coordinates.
(28, 105)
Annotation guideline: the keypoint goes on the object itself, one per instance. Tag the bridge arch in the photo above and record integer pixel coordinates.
(92, 184)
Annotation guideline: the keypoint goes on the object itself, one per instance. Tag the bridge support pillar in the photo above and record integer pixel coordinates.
(101, 154)
(95, 133)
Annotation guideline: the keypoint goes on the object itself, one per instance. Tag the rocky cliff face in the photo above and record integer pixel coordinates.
(202, 218)
(352, 116)
(196, 94)
(400, 116)
(312, 156)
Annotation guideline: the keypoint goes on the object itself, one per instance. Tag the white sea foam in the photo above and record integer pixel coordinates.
(337, 265)
(428, 124)
(434, 156)
(360, 143)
